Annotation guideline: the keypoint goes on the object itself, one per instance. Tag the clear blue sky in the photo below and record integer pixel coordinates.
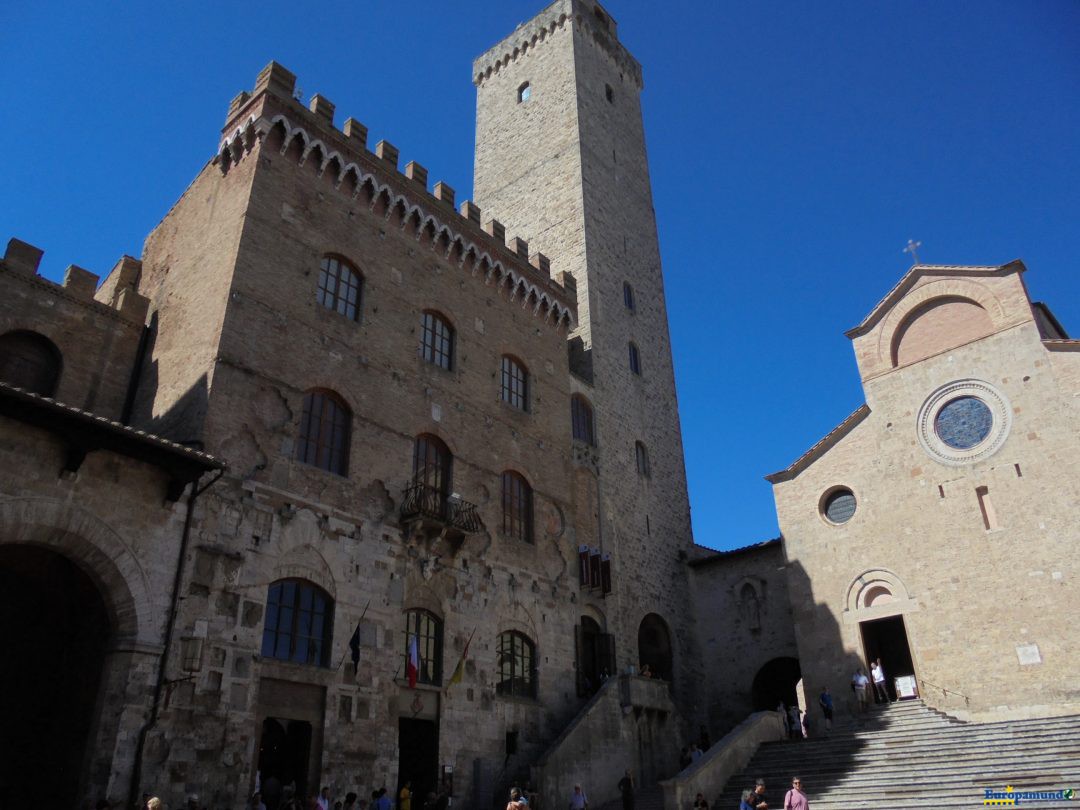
(794, 148)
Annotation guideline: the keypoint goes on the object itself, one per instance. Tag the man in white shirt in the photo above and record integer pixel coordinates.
(578, 800)
(880, 695)
(861, 684)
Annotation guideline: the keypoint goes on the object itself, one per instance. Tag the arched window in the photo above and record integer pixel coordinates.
(427, 628)
(299, 623)
(635, 359)
(29, 361)
(517, 665)
(654, 646)
(324, 432)
(642, 457)
(339, 287)
(436, 340)
(581, 418)
(515, 383)
(524, 92)
(517, 507)
(628, 296)
(432, 464)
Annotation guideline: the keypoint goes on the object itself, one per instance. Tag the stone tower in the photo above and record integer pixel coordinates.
(561, 159)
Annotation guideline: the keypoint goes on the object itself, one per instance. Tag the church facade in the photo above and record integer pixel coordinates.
(935, 528)
(403, 497)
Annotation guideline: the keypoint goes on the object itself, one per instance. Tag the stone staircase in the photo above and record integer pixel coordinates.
(648, 798)
(906, 755)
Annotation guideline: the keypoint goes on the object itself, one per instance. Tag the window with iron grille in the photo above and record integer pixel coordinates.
(339, 287)
(517, 665)
(642, 457)
(299, 623)
(581, 418)
(515, 383)
(436, 340)
(324, 432)
(635, 359)
(517, 507)
(427, 629)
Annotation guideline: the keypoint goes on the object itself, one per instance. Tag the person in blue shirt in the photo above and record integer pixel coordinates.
(825, 701)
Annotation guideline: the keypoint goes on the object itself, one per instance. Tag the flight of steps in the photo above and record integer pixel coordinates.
(906, 755)
(648, 798)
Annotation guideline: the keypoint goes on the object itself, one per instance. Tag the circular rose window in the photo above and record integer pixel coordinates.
(839, 505)
(964, 422)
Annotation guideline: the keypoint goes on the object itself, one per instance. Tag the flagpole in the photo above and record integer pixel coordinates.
(362, 615)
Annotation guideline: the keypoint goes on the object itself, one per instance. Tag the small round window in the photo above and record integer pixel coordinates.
(964, 422)
(839, 506)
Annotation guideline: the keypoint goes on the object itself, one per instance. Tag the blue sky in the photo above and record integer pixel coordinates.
(794, 148)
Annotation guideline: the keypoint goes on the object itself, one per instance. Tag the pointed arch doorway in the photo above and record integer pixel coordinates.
(654, 647)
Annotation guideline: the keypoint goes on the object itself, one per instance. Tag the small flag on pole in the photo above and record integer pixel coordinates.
(412, 668)
(459, 670)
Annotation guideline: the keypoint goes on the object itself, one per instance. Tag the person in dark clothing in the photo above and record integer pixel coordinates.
(626, 788)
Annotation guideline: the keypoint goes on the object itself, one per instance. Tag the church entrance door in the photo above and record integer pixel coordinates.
(55, 628)
(887, 639)
(418, 763)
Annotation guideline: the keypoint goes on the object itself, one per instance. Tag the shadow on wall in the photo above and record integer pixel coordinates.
(184, 419)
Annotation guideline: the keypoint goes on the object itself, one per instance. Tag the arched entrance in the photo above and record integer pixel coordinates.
(55, 629)
(654, 646)
(775, 682)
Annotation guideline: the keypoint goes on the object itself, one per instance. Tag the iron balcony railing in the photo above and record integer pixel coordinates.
(425, 502)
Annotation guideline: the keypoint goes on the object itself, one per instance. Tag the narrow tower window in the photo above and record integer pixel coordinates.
(524, 93)
(986, 506)
(609, 93)
(635, 359)
(642, 456)
(628, 296)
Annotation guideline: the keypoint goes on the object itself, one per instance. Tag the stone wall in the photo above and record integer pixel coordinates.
(744, 595)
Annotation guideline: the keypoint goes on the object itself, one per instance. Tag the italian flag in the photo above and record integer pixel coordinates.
(412, 666)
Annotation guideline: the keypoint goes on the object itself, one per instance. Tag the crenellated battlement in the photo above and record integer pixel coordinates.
(271, 114)
(591, 20)
(118, 295)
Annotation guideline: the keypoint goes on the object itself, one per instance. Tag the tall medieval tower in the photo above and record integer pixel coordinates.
(561, 159)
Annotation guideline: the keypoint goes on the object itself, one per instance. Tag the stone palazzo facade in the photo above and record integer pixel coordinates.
(346, 482)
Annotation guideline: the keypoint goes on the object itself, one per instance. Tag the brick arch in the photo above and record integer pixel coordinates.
(872, 581)
(98, 550)
(301, 537)
(948, 288)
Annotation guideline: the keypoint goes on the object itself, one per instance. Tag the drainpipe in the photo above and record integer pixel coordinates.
(159, 684)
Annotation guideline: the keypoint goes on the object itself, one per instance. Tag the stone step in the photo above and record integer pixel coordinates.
(904, 757)
(807, 750)
(924, 767)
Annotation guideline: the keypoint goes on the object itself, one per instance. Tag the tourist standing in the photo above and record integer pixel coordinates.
(405, 797)
(825, 702)
(878, 673)
(515, 802)
(578, 799)
(626, 788)
(794, 723)
(700, 803)
(795, 798)
(323, 802)
(747, 800)
(861, 684)
(757, 798)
